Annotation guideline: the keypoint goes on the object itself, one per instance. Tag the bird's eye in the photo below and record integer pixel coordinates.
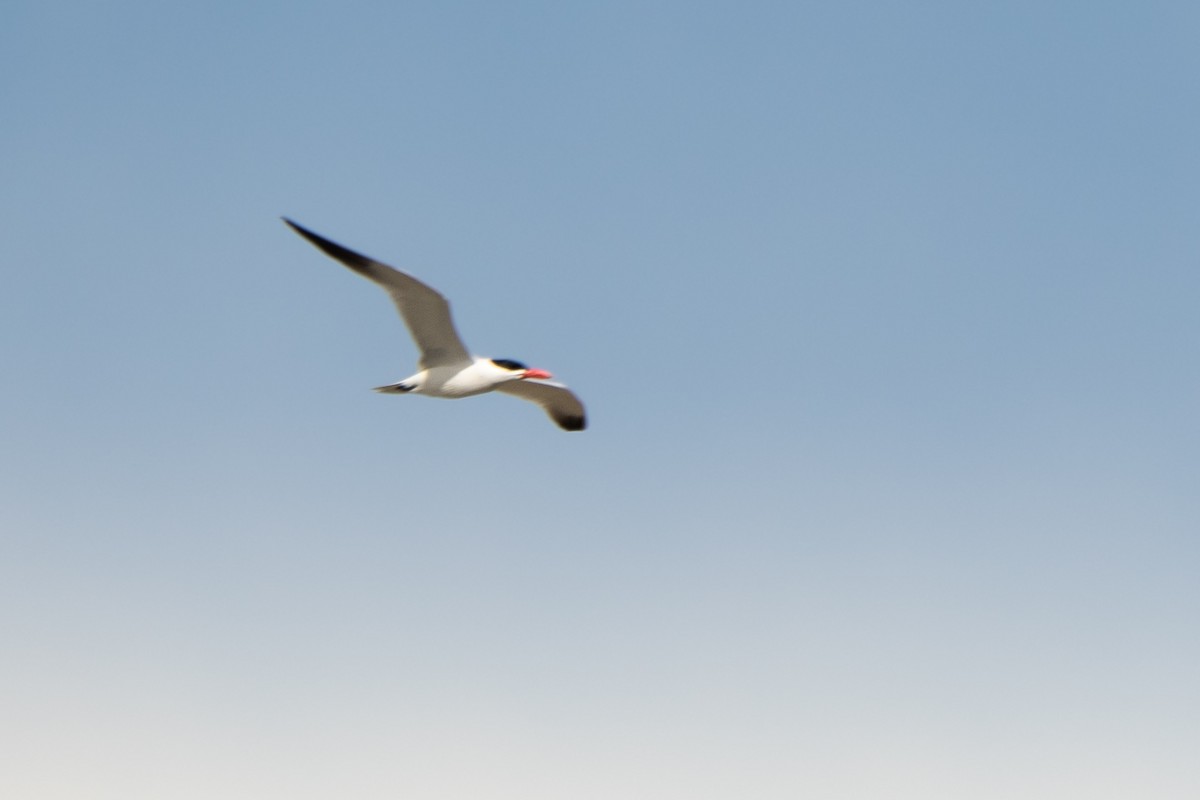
(508, 363)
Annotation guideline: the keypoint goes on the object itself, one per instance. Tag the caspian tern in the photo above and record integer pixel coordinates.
(447, 368)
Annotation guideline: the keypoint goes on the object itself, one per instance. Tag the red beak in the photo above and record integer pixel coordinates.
(536, 373)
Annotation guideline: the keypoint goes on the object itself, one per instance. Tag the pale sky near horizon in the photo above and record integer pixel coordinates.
(885, 316)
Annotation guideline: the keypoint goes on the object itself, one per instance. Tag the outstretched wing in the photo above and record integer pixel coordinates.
(558, 401)
(423, 309)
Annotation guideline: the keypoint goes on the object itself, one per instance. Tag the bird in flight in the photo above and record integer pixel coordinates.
(447, 369)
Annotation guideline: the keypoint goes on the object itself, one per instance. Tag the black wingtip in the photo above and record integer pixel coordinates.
(572, 423)
(303, 231)
(356, 261)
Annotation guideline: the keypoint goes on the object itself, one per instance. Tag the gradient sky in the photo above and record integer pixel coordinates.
(886, 319)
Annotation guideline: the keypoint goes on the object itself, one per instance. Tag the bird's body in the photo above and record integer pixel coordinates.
(447, 369)
(478, 376)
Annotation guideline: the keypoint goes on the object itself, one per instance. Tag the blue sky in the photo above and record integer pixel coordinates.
(885, 316)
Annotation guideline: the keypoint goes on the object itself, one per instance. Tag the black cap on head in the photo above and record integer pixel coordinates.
(508, 363)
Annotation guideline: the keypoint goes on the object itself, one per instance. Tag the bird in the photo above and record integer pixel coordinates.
(446, 368)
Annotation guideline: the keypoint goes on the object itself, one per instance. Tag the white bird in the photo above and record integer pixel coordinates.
(447, 368)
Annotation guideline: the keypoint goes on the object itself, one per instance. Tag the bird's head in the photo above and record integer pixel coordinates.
(519, 371)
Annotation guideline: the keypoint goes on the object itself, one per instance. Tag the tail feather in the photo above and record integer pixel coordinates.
(395, 388)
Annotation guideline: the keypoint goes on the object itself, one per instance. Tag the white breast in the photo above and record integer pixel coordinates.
(476, 378)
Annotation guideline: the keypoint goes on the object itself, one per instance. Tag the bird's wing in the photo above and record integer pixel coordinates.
(424, 310)
(558, 401)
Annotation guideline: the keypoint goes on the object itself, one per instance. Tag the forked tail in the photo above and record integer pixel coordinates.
(395, 388)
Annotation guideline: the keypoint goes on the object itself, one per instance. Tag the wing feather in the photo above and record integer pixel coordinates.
(424, 310)
(557, 400)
